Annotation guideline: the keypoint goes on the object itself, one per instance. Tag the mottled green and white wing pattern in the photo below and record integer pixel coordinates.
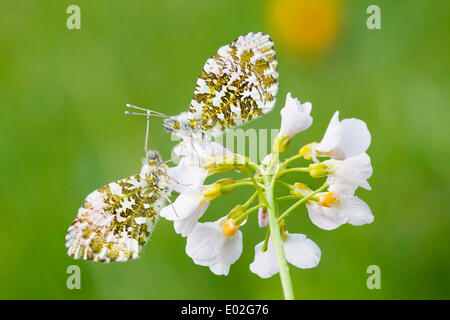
(238, 83)
(116, 220)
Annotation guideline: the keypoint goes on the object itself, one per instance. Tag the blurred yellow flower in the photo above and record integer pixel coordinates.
(306, 26)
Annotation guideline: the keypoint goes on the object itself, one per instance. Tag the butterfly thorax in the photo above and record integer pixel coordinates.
(157, 179)
(186, 127)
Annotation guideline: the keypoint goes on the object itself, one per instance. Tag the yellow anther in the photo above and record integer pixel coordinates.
(328, 199)
(229, 228)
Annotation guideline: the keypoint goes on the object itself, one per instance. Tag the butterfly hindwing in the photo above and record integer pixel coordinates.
(116, 220)
(238, 83)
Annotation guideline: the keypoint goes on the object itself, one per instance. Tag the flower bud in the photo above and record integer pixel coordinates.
(263, 217)
(301, 190)
(283, 229)
(318, 170)
(307, 151)
(212, 192)
(295, 117)
(216, 189)
(236, 212)
(223, 183)
(228, 163)
(281, 143)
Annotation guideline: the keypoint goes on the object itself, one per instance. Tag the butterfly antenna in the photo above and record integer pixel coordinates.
(146, 135)
(152, 113)
(171, 204)
(171, 160)
(181, 184)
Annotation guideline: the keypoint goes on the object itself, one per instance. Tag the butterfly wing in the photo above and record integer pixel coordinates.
(116, 220)
(238, 83)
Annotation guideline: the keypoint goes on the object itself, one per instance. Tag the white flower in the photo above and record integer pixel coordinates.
(294, 117)
(338, 206)
(298, 249)
(353, 171)
(216, 245)
(185, 211)
(344, 139)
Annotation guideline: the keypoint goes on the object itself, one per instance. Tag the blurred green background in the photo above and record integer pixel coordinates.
(63, 134)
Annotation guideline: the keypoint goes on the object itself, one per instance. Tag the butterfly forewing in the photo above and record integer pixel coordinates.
(238, 83)
(115, 221)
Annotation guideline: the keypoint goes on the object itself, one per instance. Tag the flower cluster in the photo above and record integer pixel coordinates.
(219, 244)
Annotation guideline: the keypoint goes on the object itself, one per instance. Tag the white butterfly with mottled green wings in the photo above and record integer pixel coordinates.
(238, 83)
(116, 220)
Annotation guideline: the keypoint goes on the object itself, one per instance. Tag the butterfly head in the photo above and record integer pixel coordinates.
(171, 124)
(153, 159)
(183, 126)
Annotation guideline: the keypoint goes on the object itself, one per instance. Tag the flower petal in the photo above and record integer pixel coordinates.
(355, 138)
(213, 149)
(220, 269)
(332, 135)
(229, 254)
(185, 226)
(265, 263)
(204, 243)
(355, 170)
(186, 204)
(186, 176)
(356, 211)
(301, 251)
(324, 218)
(232, 248)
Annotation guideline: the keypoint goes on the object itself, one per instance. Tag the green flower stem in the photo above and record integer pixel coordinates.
(267, 195)
(230, 187)
(287, 198)
(277, 242)
(288, 160)
(275, 234)
(252, 165)
(243, 216)
(287, 185)
(250, 200)
(302, 200)
(256, 184)
(266, 241)
(283, 172)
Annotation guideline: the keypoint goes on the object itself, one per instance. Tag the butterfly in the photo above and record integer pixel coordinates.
(237, 84)
(115, 221)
